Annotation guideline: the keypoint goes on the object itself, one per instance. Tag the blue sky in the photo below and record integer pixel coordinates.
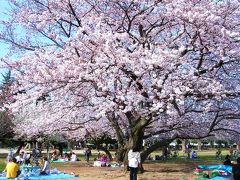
(4, 47)
(3, 8)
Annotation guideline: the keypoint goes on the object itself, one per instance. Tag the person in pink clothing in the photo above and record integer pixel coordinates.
(104, 158)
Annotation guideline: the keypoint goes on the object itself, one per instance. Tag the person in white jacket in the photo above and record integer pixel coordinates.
(134, 160)
(73, 157)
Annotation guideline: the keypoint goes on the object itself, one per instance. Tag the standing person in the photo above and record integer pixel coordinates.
(134, 160)
(218, 154)
(188, 149)
(12, 168)
(164, 153)
(87, 153)
(236, 170)
(46, 167)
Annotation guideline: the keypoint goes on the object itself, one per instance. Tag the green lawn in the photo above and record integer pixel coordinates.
(2, 164)
(205, 157)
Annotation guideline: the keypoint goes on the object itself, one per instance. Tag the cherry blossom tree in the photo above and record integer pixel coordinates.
(131, 69)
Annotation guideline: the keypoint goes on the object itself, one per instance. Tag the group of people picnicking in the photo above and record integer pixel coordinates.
(168, 153)
(25, 158)
(134, 161)
(71, 156)
(102, 160)
(34, 159)
(14, 163)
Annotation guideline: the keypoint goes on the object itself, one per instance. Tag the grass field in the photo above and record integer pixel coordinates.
(171, 169)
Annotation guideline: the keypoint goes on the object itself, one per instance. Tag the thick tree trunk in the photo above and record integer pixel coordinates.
(199, 145)
(37, 145)
(60, 147)
(134, 140)
(70, 145)
(48, 148)
(123, 153)
(155, 146)
(238, 146)
(184, 142)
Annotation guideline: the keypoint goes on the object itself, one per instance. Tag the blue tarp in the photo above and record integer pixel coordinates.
(221, 167)
(221, 178)
(59, 160)
(50, 176)
(217, 167)
(215, 178)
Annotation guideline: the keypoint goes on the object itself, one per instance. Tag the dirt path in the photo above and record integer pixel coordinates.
(154, 171)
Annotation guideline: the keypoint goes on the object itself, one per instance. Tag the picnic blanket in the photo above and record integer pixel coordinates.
(218, 167)
(219, 172)
(215, 178)
(50, 176)
(31, 175)
(59, 160)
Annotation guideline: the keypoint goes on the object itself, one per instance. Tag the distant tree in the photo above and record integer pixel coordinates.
(6, 124)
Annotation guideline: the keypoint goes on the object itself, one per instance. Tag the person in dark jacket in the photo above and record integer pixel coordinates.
(227, 160)
(236, 170)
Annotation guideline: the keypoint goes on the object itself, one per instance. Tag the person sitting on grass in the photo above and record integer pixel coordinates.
(19, 158)
(104, 158)
(46, 167)
(12, 168)
(101, 162)
(26, 158)
(66, 157)
(194, 155)
(73, 157)
(55, 156)
(227, 160)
